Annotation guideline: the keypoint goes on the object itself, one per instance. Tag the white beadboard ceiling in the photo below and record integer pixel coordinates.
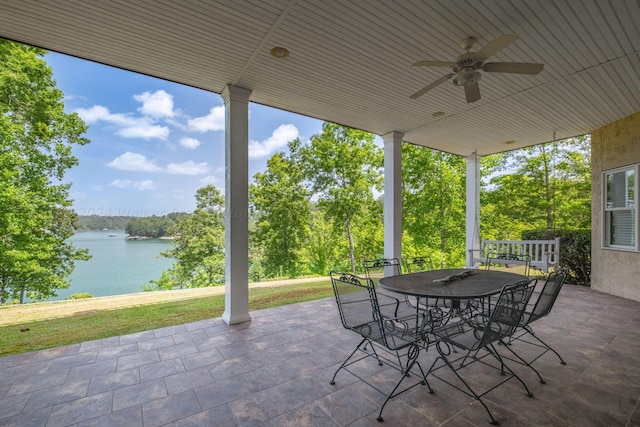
(350, 60)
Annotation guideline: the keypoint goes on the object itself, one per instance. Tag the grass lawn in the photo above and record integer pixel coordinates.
(99, 324)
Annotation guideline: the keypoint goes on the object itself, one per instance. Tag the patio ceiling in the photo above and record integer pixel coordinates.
(350, 61)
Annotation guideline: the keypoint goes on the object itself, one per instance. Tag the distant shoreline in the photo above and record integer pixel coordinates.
(149, 238)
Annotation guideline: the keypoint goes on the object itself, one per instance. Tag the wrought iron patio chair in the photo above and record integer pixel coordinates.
(476, 336)
(417, 263)
(503, 258)
(375, 270)
(394, 342)
(540, 308)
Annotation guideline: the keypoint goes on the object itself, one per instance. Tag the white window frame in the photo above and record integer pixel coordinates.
(632, 205)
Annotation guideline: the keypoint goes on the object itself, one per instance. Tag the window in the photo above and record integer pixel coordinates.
(620, 212)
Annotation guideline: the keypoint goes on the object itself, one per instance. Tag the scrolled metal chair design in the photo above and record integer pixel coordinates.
(417, 263)
(481, 332)
(541, 307)
(394, 342)
(505, 256)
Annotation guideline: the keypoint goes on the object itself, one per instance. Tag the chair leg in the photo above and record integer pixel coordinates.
(412, 353)
(412, 360)
(522, 361)
(471, 393)
(494, 353)
(348, 361)
(547, 346)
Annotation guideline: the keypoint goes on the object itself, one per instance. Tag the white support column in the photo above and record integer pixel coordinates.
(236, 306)
(393, 195)
(473, 206)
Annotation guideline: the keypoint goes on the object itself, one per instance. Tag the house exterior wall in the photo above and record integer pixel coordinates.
(614, 145)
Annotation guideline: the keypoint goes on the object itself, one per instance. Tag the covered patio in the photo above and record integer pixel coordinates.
(363, 65)
(275, 371)
(351, 63)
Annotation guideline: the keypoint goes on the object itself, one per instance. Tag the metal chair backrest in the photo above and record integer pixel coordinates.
(356, 300)
(547, 296)
(505, 257)
(507, 312)
(381, 267)
(418, 263)
(360, 312)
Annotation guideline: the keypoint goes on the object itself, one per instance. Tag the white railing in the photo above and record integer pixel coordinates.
(542, 254)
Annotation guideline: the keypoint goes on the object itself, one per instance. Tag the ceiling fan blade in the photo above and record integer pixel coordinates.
(431, 86)
(512, 67)
(494, 46)
(472, 93)
(433, 64)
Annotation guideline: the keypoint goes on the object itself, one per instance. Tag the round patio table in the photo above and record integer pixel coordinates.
(454, 284)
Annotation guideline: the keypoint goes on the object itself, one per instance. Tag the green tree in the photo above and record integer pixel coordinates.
(572, 184)
(543, 187)
(36, 142)
(343, 166)
(280, 201)
(149, 226)
(433, 204)
(198, 247)
(323, 243)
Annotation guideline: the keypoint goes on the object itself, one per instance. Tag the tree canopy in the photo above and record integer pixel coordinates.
(544, 187)
(343, 167)
(281, 202)
(36, 141)
(198, 247)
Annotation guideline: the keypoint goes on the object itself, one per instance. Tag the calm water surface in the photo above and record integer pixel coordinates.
(118, 266)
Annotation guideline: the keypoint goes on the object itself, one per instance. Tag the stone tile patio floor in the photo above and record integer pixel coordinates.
(275, 371)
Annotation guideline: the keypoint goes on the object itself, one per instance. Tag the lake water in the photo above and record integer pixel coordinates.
(118, 266)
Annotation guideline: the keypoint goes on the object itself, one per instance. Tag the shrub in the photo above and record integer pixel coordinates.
(81, 295)
(575, 251)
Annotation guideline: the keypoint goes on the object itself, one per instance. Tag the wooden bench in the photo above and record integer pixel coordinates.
(540, 254)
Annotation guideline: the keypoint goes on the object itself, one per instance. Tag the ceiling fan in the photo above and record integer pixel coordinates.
(468, 66)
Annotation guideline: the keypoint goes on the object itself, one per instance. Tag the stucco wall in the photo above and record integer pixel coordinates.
(614, 145)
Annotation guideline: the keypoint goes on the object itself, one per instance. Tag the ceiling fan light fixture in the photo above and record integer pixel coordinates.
(467, 78)
(279, 52)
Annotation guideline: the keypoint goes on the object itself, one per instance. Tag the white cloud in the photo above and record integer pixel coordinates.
(156, 104)
(130, 127)
(93, 114)
(147, 184)
(145, 131)
(138, 185)
(213, 121)
(71, 97)
(121, 183)
(134, 162)
(278, 139)
(190, 143)
(210, 179)
(188, 168)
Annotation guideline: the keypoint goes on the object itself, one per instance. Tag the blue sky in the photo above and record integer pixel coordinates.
(153, 142)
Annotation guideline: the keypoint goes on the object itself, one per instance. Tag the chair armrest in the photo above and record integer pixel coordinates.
(386, 300)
